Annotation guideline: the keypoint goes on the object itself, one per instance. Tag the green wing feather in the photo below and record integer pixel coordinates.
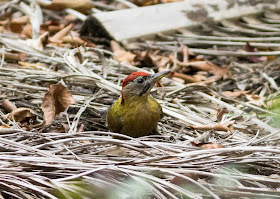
(160, 111)
(114, 119)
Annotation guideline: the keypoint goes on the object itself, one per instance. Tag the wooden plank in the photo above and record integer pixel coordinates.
(144, 21)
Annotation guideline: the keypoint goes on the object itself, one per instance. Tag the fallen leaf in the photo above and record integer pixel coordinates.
(205, 66)
(27, 30)
(56, 100)
(81, 5)
(254, 59)
(152, 59)
(169, 1)
(182, 181)
(215, 127)
(185, 53)
(13, 56)
(115, 151)
(220, 115)
(255, 99)
(120, 54)
(211, 146)
(3, 126)
(81, 128)
(249, 48)
(70, 17)
(151, 2)
(55, 28)
(17, 114)
(73, 40)
(235, 93)
(57, 38)
(15, 27)
(186, 78)
(8, 105)
(38, 65)
(21, 114)
(51, 26)
(60, 128)
(21, 20)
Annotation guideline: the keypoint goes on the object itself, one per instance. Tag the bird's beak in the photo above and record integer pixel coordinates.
(153, 79)
(156, 77)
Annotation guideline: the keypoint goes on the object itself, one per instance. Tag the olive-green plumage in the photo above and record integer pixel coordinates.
(136, 117)
(136, 113)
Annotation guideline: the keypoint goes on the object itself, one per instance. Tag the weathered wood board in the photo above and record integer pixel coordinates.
(137, 22)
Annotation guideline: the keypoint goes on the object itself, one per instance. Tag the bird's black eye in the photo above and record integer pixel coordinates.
(140, 81)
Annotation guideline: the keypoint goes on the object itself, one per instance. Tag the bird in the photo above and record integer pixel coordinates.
(136, 113)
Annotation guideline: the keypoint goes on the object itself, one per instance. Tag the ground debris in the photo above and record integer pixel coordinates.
(219, 137)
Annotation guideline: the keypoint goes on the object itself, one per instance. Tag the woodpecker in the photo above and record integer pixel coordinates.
(136, 113)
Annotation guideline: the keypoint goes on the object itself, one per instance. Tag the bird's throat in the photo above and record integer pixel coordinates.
(127, 99)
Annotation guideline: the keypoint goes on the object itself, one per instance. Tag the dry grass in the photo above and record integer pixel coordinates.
(98, 164)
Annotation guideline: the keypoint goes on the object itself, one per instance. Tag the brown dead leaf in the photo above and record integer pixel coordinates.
(13, 56)
(249, 48)
(39, 66)
(73, 40)
(59, 128)
(235, 93)
(3, 126)
(215, 127)
(54, 28)
(255, 99)
(70, 17)
(254, 59)
(220, 114)
(8, 105)
(206, 66)
(211, 146)
(182, 181)
(57, 38)
(81, 5)
(186, 78)
(51, 26)
(15, 27)
(116, 151)
(27, 30)
(21, 114)
(56, 100)
(122, 55)
(169, 1)
(203, 142)
(152, 2)
(152, 59)
(185, 53)
(4, 22)
(81, 128)
(21, 20)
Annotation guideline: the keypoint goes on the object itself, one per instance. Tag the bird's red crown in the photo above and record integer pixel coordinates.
(132, 76)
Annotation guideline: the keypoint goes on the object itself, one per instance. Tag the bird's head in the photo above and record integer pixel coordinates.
(139, 84)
